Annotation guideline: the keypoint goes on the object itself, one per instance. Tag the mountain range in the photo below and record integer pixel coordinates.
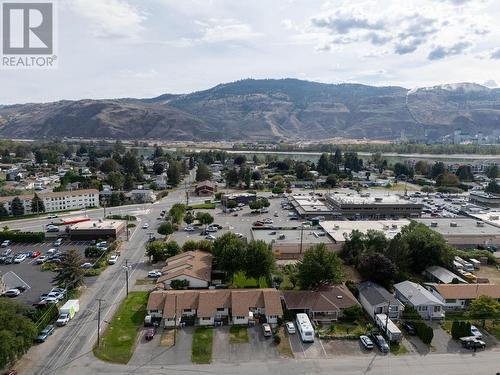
(266, 110)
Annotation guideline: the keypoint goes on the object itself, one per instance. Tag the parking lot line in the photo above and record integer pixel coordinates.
(322, 347)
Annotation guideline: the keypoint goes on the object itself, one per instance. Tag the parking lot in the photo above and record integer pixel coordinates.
(28, 273)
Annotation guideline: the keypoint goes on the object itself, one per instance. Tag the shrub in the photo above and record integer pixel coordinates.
(276, 339)
(93, 252)
(179, 284)
(15, 236)
(166, 229)
(353, 313)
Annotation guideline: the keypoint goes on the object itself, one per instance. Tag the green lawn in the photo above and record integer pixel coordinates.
(202, 206)
(343, 329)
(397, 349)
(238, 334)
(202, 345)
(117, 343)
(241, 281)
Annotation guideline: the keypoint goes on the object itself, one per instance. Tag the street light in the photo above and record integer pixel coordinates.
(126, 267)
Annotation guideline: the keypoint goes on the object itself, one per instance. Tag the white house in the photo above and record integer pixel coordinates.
(377, 300)
(425, 303)
(192, 266)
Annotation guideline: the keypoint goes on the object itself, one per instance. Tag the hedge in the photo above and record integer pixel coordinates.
(460, 329)
(22, 236)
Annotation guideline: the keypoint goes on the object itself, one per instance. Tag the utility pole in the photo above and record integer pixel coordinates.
(301, 236)
(175, 319)
(126, 228)
(126, 274)
(99, 300)
(387, 317)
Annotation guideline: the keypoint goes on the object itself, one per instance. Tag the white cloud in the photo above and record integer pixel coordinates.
(226, 30)
(287, 24)
(110, 18)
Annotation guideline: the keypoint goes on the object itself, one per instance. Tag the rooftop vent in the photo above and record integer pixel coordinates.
(394, 226)
(378, 199)
(479, 223)
(434, 224)
(340, 297)
(453, 224)
(493, 217)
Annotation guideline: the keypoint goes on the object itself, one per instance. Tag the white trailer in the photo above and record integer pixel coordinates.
(387, 326)
(475, 263)
(469, 267)
(304, 327)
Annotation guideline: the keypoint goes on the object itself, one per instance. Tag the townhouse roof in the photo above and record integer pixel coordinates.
(205, 183)
(416, 294)
(376, 294)
(467, 291)
(206, 302)
(443, 275)
(196, 264)
(328, 298)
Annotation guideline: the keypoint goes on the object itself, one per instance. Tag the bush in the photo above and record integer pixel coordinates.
(166, 229)
(424, 332)
(277, 339)
(93, 252)
(351, 285)
(122, 217)
(353, 313)
(179, 284)
(22, 236)
(460, 329)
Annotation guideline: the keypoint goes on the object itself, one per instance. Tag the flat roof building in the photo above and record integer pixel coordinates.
(465, 232)
(339, 230)
(482, 198)
(310, 206)
(373, 206)
(97, 229)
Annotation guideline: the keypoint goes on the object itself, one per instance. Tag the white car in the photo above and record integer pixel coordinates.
(239, 235)
(210, 237)
(52, 217)
(290, 327)
(212, 229)
(145, 226)
(475, 332)
(154, 274)
(112, 259)
(41, 259)
(189, 229)
(20, 258)
(86, 265)
(5, 243)
(12, 293)
(58, 242)
(266, 329)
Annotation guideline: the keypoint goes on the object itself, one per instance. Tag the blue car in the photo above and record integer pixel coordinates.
(46, 332)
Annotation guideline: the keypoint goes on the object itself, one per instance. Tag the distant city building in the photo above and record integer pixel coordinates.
(482, 198)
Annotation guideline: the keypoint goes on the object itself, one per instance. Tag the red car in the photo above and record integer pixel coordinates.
(150, 333)
(35, 254)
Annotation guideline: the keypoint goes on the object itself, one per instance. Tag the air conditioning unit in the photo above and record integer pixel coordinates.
(434, 224)
(453, 224)
(479, 224)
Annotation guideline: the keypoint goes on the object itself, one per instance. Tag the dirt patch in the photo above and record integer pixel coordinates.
(284, 348)
(167, 338)
(489, 272)
(351, 273)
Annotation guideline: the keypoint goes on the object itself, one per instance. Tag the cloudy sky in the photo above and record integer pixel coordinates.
(134, 48)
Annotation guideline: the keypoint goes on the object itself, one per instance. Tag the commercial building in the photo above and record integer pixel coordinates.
(340, 230)
(56, 201)
(482, 198)
(205, 189)
(192, 266)
(324, 305)
(311, 206)
(369, 206)
(210, 307)
(465, 232)
(97, 229)
(244, 198)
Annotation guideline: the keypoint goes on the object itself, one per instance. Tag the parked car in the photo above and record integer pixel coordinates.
(408, 328)
(52, 216)
(51, 251)
(145, 226)
(211, 229)
(21, 288)
(189, 229)
(210, 237)
(239, 235)
(475, 332)
(290, 327)
(381, 343)
(52, 228)
(472, 343)
(86, 265)
(154, 274)
(20, 258)
(6, 252)
(36, 254)
(58, 242)
(41, 260)
(11, 293)
(9, 260)
(150, 334)
(5, 243)
(266, 328)
(112, 259)
(46, 332)
(366, 342)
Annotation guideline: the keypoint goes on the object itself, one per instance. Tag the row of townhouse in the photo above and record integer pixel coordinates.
(56, 201)
(208, 307)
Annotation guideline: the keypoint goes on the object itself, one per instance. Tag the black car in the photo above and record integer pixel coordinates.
(20, 288)
(46, 332)
(379, 340)
(408, 328)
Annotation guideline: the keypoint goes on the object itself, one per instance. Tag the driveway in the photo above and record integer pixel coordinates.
(259, 348)
(309, 350)
(151, 353)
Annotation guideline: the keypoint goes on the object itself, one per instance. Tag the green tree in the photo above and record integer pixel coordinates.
(232, 177)
(259, 260)
(166, 228)
(17, 207)
(116, 180)
(202, 172)
(158, 168)
(156, 251)
(131, 165)
(172, 248)
(70, 274)
(3, 211)
(378, 268)
(484, 308)
(114, 199)
(191, 164)
(319, 266)
(158, 153)
(177, 212)
(464, 173)
(229, 253)
(109, 165)
(204, 218)
(174, 173)
(17, 331)
(437, 169)
(128, 183)
(37, 205)
(492, 171)
(492, 188)
(331, 180)
(232, 204)
(179, 284)
(188, 217)
(300, 170)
